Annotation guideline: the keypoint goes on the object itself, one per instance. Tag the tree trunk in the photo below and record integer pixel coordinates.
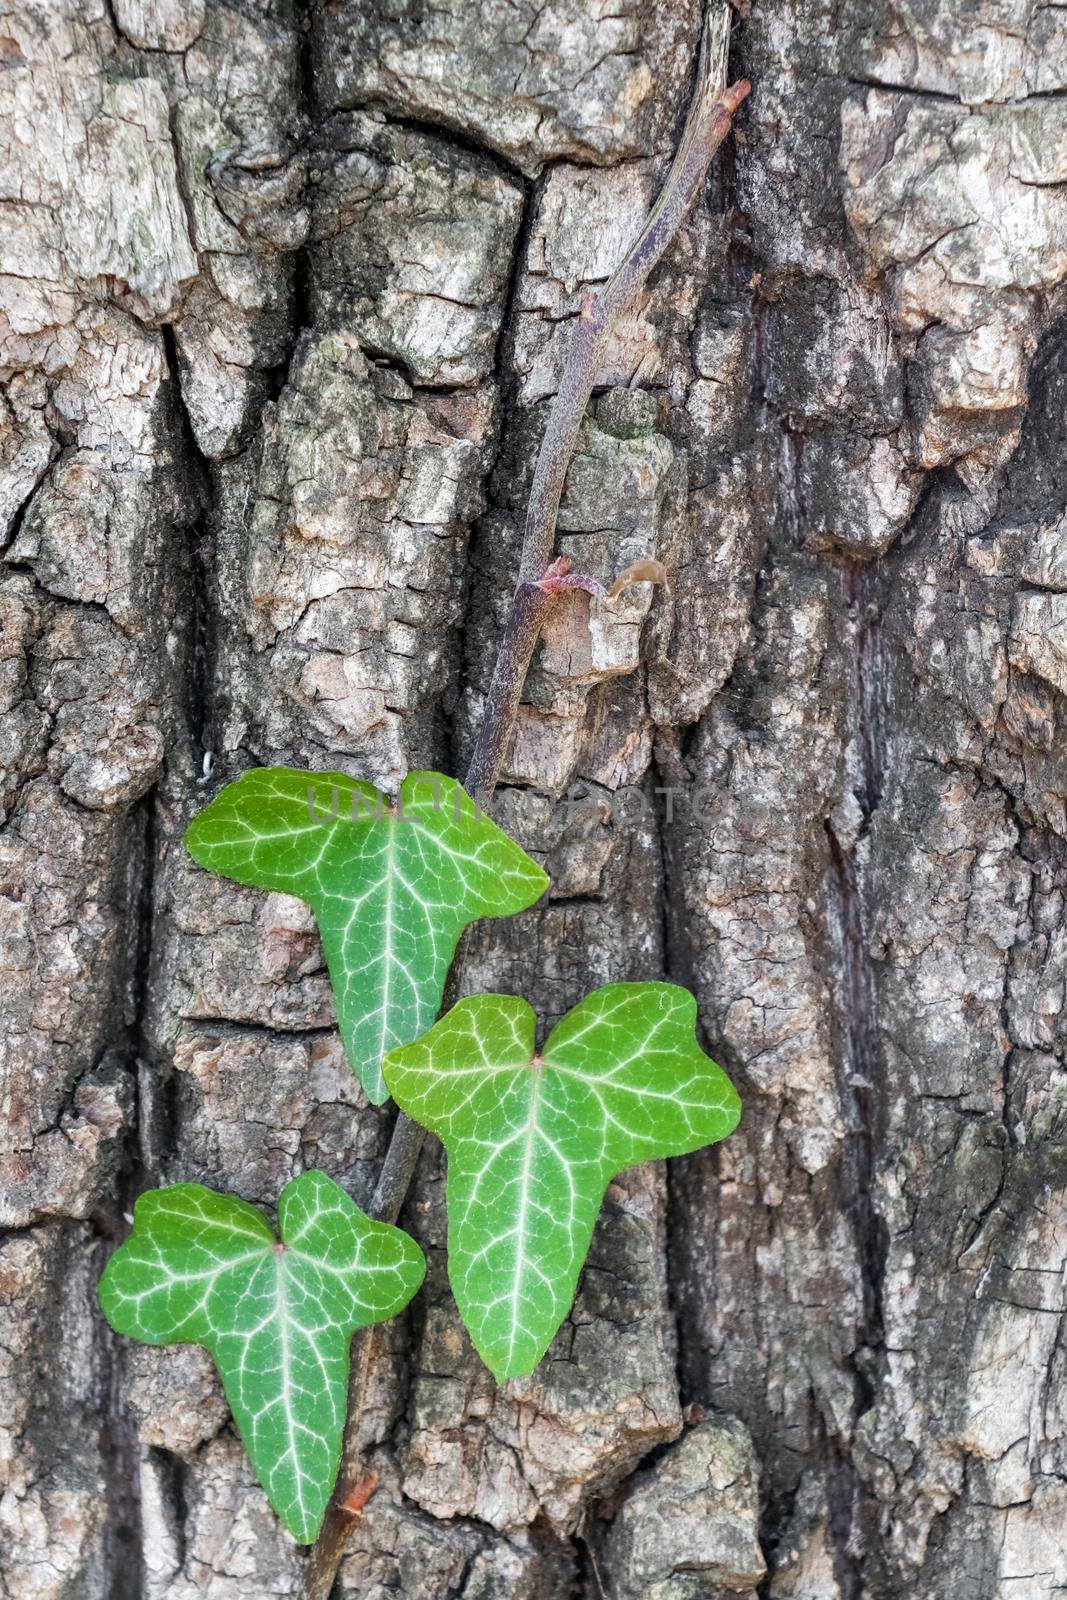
(287, 294)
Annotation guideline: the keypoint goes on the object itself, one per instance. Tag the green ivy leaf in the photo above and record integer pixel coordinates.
(534, 1139)
(391, 892)
(205, 1268)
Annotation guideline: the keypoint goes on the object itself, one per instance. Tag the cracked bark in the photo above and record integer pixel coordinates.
(286, 293)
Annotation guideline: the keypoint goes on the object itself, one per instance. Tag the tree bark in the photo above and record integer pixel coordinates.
(286, 294)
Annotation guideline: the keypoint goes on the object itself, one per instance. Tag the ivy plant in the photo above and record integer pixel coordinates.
(392, 885)
(534, 1138)
(277, 1314)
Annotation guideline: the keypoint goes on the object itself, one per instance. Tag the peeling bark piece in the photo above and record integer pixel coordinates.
(352, 618)
(176, 1398)
(231, 1540)
(399, 1549)
(240, 140)
(413, 251)
(160, 24)
(1002, 52)
(927, 189)
(26, 449)
(854, 492)
(107, 743)
(687, 1529)
(533, 83)
(298, 1093)
(64, 898)
(1039, 637)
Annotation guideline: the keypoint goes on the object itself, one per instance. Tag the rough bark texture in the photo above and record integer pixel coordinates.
(285, 293)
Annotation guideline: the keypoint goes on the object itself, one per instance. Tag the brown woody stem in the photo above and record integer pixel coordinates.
(708, 124)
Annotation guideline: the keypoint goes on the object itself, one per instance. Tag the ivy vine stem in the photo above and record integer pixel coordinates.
(709, 121)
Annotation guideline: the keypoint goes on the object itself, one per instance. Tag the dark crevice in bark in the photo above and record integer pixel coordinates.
(154, 1134)
(844, 1487)
(300, 321)
(305, 63)
(141, 969)
(864, 597)
(506, 412)
(502, 367)
(300, 310)
(182, 177)
(675, 778)
(1035, 486)
(119, 1446)
(199, 572)
(858, 1055)
(666, 771)
(412, 1327)
(120, 1455)
(589, 1578)
(672, 779)
(442, 132)
(19, 515)
(121, 37)
(240, 1028)
(911, 90)
(174, 1473)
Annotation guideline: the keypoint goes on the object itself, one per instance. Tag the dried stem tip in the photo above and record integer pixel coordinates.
(357, 1497)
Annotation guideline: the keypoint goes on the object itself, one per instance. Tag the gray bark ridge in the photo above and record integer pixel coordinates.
(284, 294)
